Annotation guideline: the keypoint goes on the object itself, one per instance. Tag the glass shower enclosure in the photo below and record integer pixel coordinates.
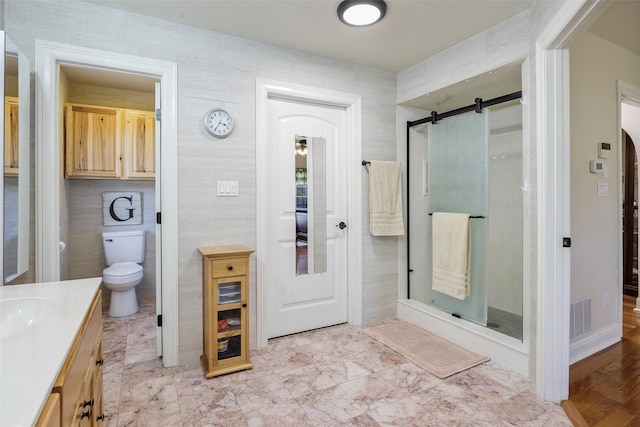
(471, 163)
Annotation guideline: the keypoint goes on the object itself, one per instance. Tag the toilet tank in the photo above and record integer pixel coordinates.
(121, 246)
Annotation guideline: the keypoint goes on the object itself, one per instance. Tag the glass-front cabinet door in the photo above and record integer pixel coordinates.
(231, 318)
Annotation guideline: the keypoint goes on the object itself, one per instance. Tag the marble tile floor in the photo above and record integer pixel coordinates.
(336, 376)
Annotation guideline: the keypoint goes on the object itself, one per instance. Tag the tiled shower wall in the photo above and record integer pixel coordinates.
(217, 70)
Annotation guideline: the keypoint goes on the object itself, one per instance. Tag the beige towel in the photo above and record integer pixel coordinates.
(451, 254)
(385, 199)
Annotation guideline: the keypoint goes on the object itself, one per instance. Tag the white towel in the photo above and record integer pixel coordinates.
(385, 199)
(451, 254)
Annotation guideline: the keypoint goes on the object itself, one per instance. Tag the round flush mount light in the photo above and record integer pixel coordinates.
(360, 13)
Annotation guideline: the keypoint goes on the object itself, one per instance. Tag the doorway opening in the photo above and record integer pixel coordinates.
(629, 217)
(53, 62)
(122, 164)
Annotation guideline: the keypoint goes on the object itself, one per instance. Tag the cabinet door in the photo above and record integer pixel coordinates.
(231, 320)
(84, 408)
(50, 415)
(96, 387)
(140, 142)
(93, 141)
(10, 136)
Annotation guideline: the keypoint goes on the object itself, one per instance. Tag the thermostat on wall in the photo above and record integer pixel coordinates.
(597, 166)
(604, 150)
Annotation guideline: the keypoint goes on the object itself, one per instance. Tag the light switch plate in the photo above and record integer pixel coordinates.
(227, 188)
(603, 189)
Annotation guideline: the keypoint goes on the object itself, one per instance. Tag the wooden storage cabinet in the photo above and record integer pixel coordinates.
(11, 141)
(225, 296)
(109, 143)
(93, 141)
(79, 383)
(140, 143)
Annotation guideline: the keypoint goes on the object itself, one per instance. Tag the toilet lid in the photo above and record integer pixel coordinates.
(122, 269)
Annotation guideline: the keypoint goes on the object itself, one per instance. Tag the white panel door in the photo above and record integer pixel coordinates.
(301, 302)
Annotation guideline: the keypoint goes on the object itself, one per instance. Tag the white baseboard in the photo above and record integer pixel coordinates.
(594, 342)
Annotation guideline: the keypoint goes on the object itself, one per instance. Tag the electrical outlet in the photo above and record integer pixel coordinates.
(606, 299)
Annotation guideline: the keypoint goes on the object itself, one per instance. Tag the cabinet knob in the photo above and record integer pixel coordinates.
(88, 403)
(244, 305)
(229, 267)
(100, 417)
(86, 414)
(99, 362)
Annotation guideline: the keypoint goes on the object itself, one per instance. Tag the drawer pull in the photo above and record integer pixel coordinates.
(87, 403)
(99, 362)
(229, 267)
(86, 414)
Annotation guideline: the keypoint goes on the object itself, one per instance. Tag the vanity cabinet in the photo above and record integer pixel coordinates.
(109, 143)
(79, 383)
(50, 416)
(11, 136)
(225, 312)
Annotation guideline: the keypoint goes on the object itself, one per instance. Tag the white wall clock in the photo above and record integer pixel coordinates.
(218, 123)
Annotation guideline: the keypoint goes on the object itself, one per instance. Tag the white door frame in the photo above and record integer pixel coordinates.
(554, 266)
(628, 94)
(353, 152)
(49, 57)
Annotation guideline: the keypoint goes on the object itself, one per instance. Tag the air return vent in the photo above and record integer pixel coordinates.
(580, 318)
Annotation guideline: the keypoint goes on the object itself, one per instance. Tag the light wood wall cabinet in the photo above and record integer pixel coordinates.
(225, 296)
(79, 384)
(140, 143)
(109, 143)
(11, 136)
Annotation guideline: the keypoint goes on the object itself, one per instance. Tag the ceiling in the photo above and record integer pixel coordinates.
(411, 31)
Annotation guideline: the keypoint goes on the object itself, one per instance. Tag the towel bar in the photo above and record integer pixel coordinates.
(470, 216)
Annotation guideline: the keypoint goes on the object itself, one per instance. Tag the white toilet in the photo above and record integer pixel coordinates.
(123, 253)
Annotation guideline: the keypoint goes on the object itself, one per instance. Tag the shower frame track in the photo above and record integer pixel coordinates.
(434, 118)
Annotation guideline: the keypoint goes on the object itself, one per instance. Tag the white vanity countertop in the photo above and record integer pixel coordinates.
(31, 359)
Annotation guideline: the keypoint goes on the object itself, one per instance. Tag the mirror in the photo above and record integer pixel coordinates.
(311, 216)
(17, 94)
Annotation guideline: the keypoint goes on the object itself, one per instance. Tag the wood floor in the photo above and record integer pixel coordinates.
(605, 388)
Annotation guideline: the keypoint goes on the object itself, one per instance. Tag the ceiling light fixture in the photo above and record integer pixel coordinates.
(360, 13)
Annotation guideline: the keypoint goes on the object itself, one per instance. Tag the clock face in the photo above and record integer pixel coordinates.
(218, 123)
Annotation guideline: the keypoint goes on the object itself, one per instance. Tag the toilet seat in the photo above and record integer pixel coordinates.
(122, 272)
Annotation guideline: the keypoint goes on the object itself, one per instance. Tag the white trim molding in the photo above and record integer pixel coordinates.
(554, 274)
(353, 151)
(627, 94)
(49, 57)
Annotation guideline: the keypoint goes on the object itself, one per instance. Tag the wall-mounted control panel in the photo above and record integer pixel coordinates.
(597, 166)
(604, 150)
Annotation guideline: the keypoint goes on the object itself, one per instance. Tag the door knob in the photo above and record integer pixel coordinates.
(342, 225)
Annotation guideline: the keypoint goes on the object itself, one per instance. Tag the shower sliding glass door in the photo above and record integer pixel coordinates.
(471, 163)
(457, 176)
